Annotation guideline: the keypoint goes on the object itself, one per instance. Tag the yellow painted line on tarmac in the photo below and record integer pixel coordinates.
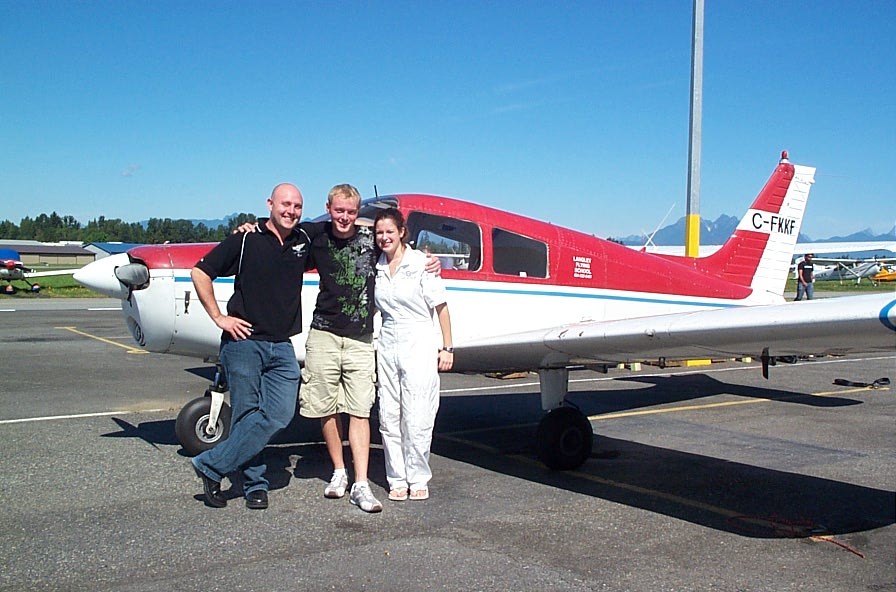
(715, 405)
(684, 501)
(130, 349)
(726, 513)
(594, 479)
(673, 409)
(653, 493)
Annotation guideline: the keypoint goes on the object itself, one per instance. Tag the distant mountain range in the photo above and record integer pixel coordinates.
(711, 232)
(718, 231)
(209, 223)
(219, 222)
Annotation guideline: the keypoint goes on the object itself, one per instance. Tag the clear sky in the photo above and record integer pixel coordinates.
(572, 112)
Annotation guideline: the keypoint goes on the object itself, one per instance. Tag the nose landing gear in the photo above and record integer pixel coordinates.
(204, 421)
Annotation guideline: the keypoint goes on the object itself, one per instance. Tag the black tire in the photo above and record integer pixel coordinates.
(191, 423)
(564, 439)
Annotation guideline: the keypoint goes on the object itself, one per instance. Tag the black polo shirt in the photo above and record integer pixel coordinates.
(267, 289)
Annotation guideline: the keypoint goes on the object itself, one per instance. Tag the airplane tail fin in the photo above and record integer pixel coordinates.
(760, 251)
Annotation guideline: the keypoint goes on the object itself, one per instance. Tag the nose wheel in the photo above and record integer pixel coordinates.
(564, 439)
(193, 428)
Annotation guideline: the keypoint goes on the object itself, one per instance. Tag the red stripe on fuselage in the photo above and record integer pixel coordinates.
(611, 266)
(575, 259)
(171, 256)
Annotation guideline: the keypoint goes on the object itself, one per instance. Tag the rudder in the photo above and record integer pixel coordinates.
(760, 251)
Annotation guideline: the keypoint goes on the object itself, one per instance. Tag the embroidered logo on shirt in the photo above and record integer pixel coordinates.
(299, 249)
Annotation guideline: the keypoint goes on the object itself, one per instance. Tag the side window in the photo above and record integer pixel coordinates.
(519, 255)
(457, 243)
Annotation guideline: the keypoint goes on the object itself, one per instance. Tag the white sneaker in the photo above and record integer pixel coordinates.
(337, 485)
(362, 497)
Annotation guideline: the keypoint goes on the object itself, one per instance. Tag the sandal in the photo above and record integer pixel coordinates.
(398, 495)
(419, 494)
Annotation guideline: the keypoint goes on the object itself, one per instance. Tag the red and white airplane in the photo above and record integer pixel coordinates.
(12, 269)
(528, 295)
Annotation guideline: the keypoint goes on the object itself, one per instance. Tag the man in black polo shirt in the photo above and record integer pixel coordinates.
(257, 355)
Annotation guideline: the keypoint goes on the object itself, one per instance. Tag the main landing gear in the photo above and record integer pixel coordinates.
(564, 438)
(205, 421)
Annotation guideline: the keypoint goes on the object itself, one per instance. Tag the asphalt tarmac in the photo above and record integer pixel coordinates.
(704, 478)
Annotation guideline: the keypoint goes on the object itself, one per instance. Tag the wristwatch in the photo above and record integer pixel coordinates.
(450, 350)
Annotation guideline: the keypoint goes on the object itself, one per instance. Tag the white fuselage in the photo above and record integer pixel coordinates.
(479, 310)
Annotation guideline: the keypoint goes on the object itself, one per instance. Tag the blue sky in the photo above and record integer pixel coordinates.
(576, 112)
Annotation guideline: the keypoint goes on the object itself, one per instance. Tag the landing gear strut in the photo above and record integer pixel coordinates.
(564, 438)
(204, 421)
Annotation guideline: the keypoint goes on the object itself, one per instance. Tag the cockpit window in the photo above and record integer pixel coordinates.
(457, 243)
(519, 255)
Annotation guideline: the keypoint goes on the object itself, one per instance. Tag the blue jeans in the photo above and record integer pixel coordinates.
(808, 288)
(264, 382)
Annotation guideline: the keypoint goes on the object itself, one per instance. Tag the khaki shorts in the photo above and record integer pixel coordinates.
(339, 375)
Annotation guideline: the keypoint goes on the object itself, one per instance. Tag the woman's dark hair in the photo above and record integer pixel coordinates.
(397, 218)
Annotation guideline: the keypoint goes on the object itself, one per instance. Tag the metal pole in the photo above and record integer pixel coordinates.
(695, 136)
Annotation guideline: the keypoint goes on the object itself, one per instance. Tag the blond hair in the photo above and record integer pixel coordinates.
(346, 191)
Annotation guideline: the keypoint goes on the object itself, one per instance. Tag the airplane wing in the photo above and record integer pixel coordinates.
(34, 274)
(844, 248)
(857, 323)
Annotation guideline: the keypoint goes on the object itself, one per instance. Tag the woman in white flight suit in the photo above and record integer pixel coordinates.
(408, 357)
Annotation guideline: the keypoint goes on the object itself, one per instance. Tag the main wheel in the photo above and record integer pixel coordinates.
(192, 421)
(564, 439)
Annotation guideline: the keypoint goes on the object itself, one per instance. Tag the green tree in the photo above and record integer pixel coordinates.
(239, 220)
(8, 230)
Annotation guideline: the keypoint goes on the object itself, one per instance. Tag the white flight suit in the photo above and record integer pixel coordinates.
(407, 366)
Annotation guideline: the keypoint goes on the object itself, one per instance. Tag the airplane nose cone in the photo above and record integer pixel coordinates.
(99, 276)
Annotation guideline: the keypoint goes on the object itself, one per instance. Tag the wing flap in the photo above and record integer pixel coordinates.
(825, 326)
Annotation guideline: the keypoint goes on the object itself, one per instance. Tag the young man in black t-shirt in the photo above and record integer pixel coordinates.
(340, 368)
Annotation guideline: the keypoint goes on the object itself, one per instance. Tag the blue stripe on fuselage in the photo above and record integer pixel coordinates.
(885, 316)
(549, 293)
(558, 294)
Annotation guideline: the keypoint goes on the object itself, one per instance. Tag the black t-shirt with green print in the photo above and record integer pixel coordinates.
(347, 269)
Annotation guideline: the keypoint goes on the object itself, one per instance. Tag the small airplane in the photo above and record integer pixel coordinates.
(887, 273)
(845, 269)
(528, 295)
(12, 269)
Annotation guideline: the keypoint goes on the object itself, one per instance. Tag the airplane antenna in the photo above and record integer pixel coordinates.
(657, 229)
(375, 193)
